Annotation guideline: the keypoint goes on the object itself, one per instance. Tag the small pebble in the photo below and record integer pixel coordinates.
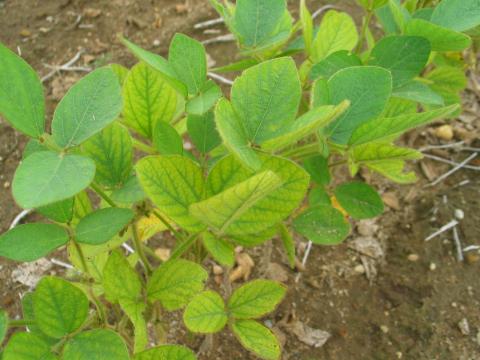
(459, 214)
(444, 132)
(464, 327)
(472, 257)
(217, 270)
(433, 266)
(360, 269)
(399, 355)
(384, 329)
(156, 42)
(413, 257)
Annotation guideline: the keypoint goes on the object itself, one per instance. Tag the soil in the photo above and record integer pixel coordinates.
(405, 302)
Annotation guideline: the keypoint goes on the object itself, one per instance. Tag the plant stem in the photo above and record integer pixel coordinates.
(144, 147)
(167, 224)
(20, 323)
(184, 246)
(102, 194)
(139, 249)
(306, 150)
(365, 25)
(338, 163)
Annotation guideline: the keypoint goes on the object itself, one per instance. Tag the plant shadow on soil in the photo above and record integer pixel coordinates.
(410, 310)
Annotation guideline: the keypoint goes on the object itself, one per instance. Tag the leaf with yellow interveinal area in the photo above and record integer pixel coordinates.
(148, 226)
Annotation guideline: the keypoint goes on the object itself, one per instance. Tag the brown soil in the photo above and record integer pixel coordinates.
(410, 310)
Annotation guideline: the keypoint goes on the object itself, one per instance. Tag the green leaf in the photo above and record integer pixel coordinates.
(266, 97)
(3, 325)
(46, 177)
(323, 225)
(319, 196)
(253, 239)
(167, 140)
(120, 281)
(448, 81)
(307, 26)
(102, 225)
(388, 129)
(393, 170)
(205, 100)
(173, 183)
(288, 244)
(135, 310)
(271, 209)
(97, 344)
(61, 211)
(60, 307)
(317, 167)
(337, 32)
(22, 102)
(29, 242)
(360, 200)
(334, 62)
(112, 151)
(175, 282)
(29, 315)
(307, 124)
(120, 71)
(205, 313)
(257, 339)
(188, 59)
(88, 107)
(149, 99)
(202, 132)
(33, 146)
(404, 56)
(441, 39)
(418, 92)
(459, 15)
(236, 66)
(27, 346)
(255, 21)
(396, 106)
(166, 352)
(256, 299)
(131, 192)
(398, 13)
(158, 63)
(368, 88)
(371, 5)
(234, 134)
(221, 212)
(82, 206)
(221, 250)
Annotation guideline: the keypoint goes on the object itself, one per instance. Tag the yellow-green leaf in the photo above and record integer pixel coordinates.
(206, 313)
(257, 339)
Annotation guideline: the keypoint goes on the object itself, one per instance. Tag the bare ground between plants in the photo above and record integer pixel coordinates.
(411, 308)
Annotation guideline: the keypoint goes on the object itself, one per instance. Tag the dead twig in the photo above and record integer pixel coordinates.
(453, 170)
(219, 39)
(220, 78)
(304, 260)
(450, 162)
(208, 23)
(444, 228)
(65, 67)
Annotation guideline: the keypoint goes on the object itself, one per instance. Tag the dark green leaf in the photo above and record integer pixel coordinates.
(332, 63)
(61, 211)
(26, 346)
(131, 192)
(319, 196)
(317, 167)
(418, 92)
(98, 344)
(202, 132)
(3, 325)
(167, 140)
(360, 200)
(459, 15)
(205, 100)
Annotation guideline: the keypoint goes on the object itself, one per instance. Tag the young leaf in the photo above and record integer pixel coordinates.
(256, 299)
(254, 239)
(33, 146)
(175, 282)
(255, 20)
(29, 242)
(173, 183)
(120, 281)
(205, 100)
(307, 124)
(393, 170)
(257, 339)
(61, 211)
(266, 98)
(360, 200)
(205, 313)
(22, 102)
(404, 56)
(323, 225)
(459, 15)
(234, 134)
(135, 309)
(274, 207)
(372, 4)
(166, 352)
(332, 63)
(400, 15)
(202, 132)
(418, 92)
(121, 72)
(131, 192)
(98, 344)
(377, 152)
(112, 151)
(368, 88)
(221, 250)
(60, 307)
(46, 177)
(388, 129)
(319, 196)
(88, 107)
(448, 81)
(307, 26)
(149, 99)
(441, 39)
(337, 32)
(188, 59)
(288, 244)
(317, 167)
(3, 325)
(102, 225)
(396, 107)
(167, 140)
(221, 211)
(27, 346)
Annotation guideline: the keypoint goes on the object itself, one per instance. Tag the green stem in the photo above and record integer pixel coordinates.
(144, 147)
(167, 224)
(184, 246)
(365, 25)
(103, 195)
(139, 249)
(338, 163)
(20, 323)
(309, 149)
